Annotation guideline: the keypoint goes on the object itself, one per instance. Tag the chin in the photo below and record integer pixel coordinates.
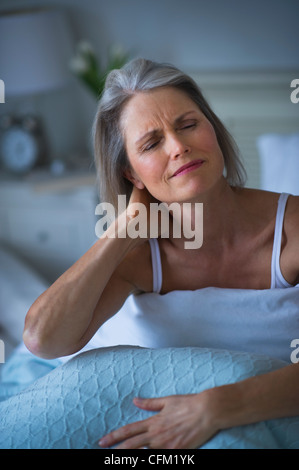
(191, 191)
(193, 194)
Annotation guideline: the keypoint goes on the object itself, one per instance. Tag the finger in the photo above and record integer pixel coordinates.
(136, 442)
(133, 209)
(150, 404)
(123, 433)
(141, 195)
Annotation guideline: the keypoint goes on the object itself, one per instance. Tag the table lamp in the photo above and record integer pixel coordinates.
(35, 47)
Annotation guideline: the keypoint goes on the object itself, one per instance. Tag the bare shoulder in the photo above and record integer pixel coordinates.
(292, 211)
(264, 205)
(136, 268)
(291, 232)
(266, 202)
(291, 223)
(260, 202)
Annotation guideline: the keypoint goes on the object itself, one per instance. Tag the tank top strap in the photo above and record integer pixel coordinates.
(277, 279)
(156, 265)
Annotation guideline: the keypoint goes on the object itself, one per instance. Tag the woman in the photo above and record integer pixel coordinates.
(156, 139)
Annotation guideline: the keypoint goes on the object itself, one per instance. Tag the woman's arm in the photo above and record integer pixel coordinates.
(66, 316)
(188, 421)
(267, 396)
(63, 319)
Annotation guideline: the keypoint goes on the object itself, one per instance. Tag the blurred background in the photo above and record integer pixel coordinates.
(244, 56)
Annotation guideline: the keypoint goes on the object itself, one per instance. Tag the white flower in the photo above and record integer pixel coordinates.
(79, 65)
(86, 66)
(84, 47)
(117, 51)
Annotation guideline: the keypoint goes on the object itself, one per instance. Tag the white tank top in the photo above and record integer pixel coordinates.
(277, 279)
(257, 321)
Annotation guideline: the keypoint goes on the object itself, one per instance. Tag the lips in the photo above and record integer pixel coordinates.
(188, 167)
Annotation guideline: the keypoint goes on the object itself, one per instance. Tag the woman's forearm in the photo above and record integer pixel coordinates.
(59, 317)
(263, 397)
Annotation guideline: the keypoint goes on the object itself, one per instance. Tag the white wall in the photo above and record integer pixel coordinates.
(192, 34)
(199, 33)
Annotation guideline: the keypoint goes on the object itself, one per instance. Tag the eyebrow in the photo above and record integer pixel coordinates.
(156, 131)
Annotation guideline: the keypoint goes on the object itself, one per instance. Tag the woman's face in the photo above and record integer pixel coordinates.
(171, 146)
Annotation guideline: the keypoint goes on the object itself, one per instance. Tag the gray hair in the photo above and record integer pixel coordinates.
(141, 75)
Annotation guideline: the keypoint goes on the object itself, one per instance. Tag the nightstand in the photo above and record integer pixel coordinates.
(49, 221)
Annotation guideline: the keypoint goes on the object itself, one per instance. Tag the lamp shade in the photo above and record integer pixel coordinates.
(35, 48)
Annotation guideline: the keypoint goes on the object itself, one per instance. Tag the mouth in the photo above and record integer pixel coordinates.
(188, 167)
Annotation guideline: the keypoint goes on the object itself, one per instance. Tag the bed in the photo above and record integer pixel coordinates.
(20, 285)
(71, 404)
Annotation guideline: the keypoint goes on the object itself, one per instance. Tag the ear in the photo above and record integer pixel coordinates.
(131, 176)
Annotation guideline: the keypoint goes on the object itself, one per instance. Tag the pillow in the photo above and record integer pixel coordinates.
(20, 286)
(77, 403)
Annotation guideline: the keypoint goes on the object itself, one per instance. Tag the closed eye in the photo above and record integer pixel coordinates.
(150, 146)
(190, 125)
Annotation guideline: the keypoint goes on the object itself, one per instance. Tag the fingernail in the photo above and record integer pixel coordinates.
(102, 442)
(139, 400)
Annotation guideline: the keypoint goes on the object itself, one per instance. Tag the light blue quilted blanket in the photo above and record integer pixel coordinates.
(76, 403)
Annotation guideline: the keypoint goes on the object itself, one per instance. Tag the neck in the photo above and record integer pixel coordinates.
(211, 220)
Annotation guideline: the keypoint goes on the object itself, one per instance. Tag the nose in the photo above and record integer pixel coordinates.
(176, 146)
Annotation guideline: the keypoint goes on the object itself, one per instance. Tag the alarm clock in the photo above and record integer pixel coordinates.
(22, 144)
